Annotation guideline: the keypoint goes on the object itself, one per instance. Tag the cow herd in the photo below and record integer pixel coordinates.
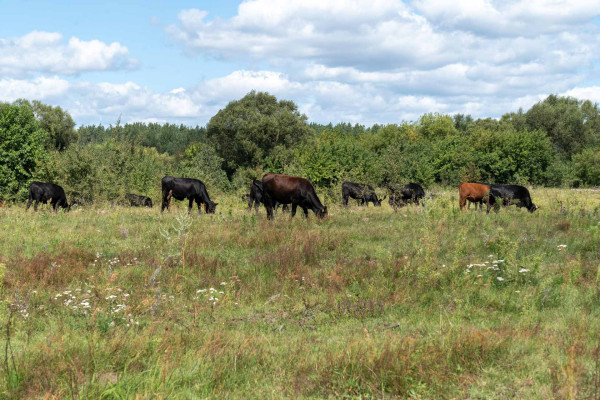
(276, 189)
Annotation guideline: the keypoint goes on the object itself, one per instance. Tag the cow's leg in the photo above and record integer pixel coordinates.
(491, 202)
(305, 212)
(345, 200)
(198, 203)
(294, 205)
(462, 202)
(35, 206)
(256, 205)
(29, 203)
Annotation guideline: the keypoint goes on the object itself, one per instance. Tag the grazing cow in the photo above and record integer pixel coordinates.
(411, 193)
(292, 190)
(361, 192)
(135, 200)
(44, 192)
(256, 196)
(475, 192)
(511, 194)
(186, 188)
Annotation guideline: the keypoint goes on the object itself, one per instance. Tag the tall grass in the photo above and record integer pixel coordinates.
(424, 303)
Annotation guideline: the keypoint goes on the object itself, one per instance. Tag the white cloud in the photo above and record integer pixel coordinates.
(509, 17)
(38, 88)
(47, 53)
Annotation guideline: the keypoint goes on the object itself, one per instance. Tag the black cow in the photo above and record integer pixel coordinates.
(186, 188)
(408, 194)
(135, 200)
(44, 192)
(256, 196)
(361, 192)
(511, 194)
(292, 190)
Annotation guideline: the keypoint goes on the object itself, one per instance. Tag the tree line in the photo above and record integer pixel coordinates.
(554, 143)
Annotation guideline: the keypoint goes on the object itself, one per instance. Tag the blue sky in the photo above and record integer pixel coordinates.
(359, 61)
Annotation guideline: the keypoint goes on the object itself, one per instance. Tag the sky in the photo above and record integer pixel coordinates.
(357, 61)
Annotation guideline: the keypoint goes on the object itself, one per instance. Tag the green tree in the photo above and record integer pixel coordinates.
(246, 131)
(21, 149)
(201, 161)
(562, 119)
(587, 166)
(54, 120)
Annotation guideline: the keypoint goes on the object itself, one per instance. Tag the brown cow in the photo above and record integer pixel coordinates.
(285, 189)
(472, 191)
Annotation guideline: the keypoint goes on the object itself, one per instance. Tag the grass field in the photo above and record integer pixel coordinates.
(423, 303)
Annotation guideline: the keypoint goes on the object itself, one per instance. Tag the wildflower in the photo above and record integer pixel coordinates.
(500, 278)
(223, 283)
(562, 246)
(517, 291)
(523, 270)
(112, 296)
(479, 276)
(200, 290)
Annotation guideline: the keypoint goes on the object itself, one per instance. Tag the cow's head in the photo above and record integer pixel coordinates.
(532, 208)
(322, 212)
(210, 207)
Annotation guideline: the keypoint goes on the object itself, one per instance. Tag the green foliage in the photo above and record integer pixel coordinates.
(569, 123)
(21, 149)
(333, 157)
(246, 131)
(201, 161)
(107, 171)
(166, 138)
(54, 120)
(587, 166)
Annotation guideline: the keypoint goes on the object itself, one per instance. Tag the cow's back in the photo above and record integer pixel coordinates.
(283, 188)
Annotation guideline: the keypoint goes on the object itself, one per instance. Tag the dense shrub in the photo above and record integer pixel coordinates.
(21, 149)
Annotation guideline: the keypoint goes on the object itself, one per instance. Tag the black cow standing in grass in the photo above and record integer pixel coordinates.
(186, 188)
(361, 192)
(292, 190)
(135, 200)
(44, 192)
(511, 194)
(256, 197)
(408, 194)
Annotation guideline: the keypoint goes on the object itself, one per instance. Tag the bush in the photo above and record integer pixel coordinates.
(587, 166)
(21, 150)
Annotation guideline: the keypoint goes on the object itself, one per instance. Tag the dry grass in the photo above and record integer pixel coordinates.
(419, 303)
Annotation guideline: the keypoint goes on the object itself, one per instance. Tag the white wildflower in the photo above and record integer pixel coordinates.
(500, 278)
(523, 270)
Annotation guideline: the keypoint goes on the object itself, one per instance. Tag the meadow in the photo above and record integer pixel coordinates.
(422, 303)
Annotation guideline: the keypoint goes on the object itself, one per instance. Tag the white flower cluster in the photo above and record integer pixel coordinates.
(211, 294)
